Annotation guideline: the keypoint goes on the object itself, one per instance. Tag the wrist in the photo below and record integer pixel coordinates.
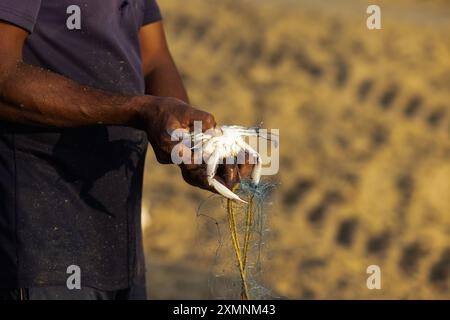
(140, 111)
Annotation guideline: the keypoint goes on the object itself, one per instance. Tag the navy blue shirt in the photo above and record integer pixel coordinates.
(72, 196)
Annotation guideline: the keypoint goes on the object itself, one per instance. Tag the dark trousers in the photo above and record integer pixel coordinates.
(62, 293)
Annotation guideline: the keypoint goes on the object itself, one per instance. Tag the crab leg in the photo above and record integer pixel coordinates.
(256, 173)
(211, 169)
(224, 191)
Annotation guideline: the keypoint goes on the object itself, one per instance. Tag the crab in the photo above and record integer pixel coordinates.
(226, 142)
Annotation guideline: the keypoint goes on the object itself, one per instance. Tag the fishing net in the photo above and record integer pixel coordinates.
(237, 235)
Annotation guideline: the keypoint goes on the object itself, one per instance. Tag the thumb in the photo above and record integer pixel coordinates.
(207, 119)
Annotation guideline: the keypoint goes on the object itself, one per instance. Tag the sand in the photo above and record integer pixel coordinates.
(365, 145)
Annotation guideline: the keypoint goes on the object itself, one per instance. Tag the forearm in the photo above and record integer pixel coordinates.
(165, 81)
(31, 95)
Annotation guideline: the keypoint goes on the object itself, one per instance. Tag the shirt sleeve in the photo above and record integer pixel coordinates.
(152, 13)
(22, 13)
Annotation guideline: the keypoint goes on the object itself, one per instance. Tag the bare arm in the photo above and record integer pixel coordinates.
(161, 75)
(35, 96)
(163, 79)
(31, 95)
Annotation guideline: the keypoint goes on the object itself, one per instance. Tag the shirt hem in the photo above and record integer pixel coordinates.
(19, 19)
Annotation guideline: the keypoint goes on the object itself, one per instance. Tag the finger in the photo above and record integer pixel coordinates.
(179, 134)
(196, 176)
(230, 175)
(181, 154)
(174, 129)
(207, 119)
(246, 168)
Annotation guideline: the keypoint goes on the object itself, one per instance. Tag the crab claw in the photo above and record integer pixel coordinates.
(211, 168)
(224, 191)
(256, 173)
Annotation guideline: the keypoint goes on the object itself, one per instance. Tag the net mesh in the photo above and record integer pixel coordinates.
(237, 235)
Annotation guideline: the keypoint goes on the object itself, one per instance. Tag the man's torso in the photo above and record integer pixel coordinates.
(72, 196)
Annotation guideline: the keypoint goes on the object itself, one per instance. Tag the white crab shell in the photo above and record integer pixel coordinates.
(226, 142)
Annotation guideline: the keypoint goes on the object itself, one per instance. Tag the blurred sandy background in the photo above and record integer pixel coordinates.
(365, 143)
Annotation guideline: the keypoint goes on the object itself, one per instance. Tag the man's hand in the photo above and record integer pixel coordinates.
(33, 96)
(161, 116)
(163, 79)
